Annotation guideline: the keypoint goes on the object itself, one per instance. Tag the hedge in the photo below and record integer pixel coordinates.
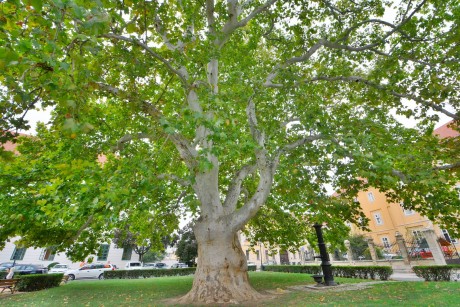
(435, 272)
(3, 275)
(133, 274)
(365, 272)
(35, 282)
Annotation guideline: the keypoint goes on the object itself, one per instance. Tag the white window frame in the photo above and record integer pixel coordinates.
(47, 254)
(386, 242)
(371, 197)
(447, 236)
(103, 253)
(418, 236)
(407, 211)
(18, 253)
(378, 218)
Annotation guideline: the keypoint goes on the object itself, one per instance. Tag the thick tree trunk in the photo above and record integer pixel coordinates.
(221, 276)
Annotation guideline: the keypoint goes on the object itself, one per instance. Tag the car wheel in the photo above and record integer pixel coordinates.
(101, 276)
(71, 277)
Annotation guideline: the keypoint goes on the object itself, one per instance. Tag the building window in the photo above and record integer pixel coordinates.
(420, 238)
(406, 211)
(103, 252)
(47, 254)
(370, 196)
(386, 242)
(266, 256)
(18, 253)
(446, 235)
(378, 218)
(247, 254)
(257, 255)
(127, 253)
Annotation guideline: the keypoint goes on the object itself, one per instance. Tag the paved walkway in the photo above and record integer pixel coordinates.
(402, 276)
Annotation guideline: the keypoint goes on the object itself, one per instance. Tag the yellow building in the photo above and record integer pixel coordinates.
(385, 219)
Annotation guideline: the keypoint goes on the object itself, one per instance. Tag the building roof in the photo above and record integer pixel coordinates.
(445, 131)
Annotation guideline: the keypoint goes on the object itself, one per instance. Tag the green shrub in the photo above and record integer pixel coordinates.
(252, 267)
(3, 275)
(435, 272)
(147, 273)
(35, 282)
(364, 272)
(308, 269)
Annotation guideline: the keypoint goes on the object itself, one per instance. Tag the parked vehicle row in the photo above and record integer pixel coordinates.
(93, 270)
(24, 268)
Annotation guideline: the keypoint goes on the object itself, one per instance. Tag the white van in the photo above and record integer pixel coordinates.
(134, 265)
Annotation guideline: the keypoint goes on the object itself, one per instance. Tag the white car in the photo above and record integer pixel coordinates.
(149, 265)
(94, 270)
(134, 265)
(59, 268)
(179, 265)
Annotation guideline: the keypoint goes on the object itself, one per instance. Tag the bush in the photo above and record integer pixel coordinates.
(365, 272)
(435, 272)
(28, 283)
(252, 267)
(308, 269)
(134, 274)
(3, 275)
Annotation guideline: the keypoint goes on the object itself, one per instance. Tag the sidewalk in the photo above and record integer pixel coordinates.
(403, 276)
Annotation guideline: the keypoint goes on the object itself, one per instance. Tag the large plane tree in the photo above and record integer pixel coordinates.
(240, 112)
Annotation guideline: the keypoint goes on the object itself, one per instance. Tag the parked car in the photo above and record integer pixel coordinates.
(389, 256)
(161, 265)
(59, 268)
(26, 269)
(133, 265)
(270, 262)
(5, 266)
(94, 270)
(179, 265)
(150, 265)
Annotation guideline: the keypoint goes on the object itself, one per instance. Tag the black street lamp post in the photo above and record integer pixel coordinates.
(324, 256)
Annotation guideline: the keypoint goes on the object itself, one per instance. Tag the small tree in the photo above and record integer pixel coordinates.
(358, 244)
(187, 246)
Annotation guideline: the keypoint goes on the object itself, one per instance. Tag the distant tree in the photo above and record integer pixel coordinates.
(153, 256)
(125, 238)
(358, 244)
(187, 246)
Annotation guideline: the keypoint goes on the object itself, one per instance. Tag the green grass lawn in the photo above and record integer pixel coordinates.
(151, 292)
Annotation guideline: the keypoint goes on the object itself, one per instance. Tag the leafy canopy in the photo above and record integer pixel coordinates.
(175, 93)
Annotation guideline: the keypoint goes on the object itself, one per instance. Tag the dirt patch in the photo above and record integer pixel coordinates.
(338, 288)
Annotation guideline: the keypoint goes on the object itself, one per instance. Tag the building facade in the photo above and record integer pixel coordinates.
(387, 219)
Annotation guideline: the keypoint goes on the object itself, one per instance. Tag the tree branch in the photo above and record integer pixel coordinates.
(129, 137)
(303, 58)
(392, 92)
(234, 190)
(182, 182)
(182, 76)
(233, 24)
(185, 148)
(210, 17)
(448, 166)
